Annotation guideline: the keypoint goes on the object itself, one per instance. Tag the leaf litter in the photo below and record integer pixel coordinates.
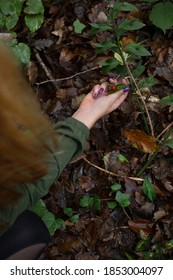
(101, 232)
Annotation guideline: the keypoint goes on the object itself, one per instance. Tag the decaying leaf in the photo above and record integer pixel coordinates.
(141, 141)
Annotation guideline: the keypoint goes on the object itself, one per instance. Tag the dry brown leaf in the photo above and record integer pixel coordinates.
(141, 141)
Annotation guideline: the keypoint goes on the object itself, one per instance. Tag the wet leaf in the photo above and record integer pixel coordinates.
(141, 141)
(148, 189)
(140, 224)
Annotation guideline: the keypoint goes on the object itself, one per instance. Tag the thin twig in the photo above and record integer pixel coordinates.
(165, 130)
(111, 173)
(67, 78)
(48, 74)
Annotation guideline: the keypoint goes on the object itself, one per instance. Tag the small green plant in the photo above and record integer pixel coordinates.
(78, 26)
(50, 220)
(93, 202)
(148, 189)
(11, 12)
(121, 199)
(73, 217)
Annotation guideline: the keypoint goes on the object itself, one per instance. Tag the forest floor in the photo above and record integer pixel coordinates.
(144, 229)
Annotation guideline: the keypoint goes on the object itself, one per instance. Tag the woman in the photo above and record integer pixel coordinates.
(33, 155)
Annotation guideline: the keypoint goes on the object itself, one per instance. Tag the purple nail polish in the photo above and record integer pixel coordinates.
(126, 89)
(101, 90)
(95, 95)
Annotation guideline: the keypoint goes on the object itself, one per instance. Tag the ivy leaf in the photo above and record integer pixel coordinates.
(86, 201)
(11, 21)
(137, 49)
(161, 15)
(49, 220)
(112, 204)
(116, 187)
(68, 211)
(34, 22)
(123, 199)
(148, 189)
(34, 7)
(75, 218)
(78, 26)
(39, 208)
(22, 51)
(168, 100)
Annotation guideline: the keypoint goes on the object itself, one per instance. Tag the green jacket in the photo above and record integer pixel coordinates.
(72, 138)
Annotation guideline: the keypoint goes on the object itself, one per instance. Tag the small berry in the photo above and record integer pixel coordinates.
(113, 88)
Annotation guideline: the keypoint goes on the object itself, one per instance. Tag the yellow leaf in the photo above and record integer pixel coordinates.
(141, 141)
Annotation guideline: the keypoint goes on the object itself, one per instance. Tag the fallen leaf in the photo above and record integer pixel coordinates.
(141, 141)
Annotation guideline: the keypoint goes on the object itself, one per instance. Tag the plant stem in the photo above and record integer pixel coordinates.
(147, 164)
(138, 92)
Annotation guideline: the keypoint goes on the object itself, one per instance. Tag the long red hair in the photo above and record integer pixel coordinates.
(24, 130)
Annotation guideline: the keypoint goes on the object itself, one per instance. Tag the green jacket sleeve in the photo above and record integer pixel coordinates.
(72, 138)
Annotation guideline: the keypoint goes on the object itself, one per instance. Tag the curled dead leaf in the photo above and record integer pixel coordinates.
(141, 141)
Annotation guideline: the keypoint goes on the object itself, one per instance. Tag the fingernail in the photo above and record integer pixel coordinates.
(126, 89)
(101, 90)
(95, 95)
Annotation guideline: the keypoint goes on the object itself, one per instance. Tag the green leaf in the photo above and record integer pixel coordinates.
(130, 25)
(112, 204)
(39, 208)
(96, 203)
(161, 15)
(9, 7)
(143, 245)
(34, 7)
(146, 82)
(86, 201)
(122, 158)
(116, 187)
(49, 220)
(148, 189)
(11, 21)
(59, 223)
(168, 100)
(78, 26)
(34, 22)
(169, 142)
(127, 7)
(109, 64)
(99, 27)
(68, 211)
(22, 51)
(107, 45)
(138, 70)
(75, 218)
(123, 199)
(168, 244)
(137, 49)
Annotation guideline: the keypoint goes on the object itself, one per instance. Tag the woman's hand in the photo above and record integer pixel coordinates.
(100, 102)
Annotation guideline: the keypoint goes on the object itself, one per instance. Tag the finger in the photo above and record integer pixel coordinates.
(125, 81)
(117, 98)
(113, 81)
(99, 90)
